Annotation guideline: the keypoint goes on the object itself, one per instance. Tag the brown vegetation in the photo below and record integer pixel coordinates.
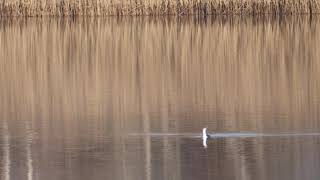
(155, 7)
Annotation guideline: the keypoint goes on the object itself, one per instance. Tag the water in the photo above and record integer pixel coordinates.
(127, 98)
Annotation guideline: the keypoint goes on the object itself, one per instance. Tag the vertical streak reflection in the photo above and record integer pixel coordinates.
(29, 152)
(6, 151)
(146, 129)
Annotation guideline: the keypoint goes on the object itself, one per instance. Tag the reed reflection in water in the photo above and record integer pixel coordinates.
(73, 89)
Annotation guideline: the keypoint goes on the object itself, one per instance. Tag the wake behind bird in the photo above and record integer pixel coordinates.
(225, 135)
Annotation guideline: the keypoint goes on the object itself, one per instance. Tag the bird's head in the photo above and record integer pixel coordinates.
(204, 130)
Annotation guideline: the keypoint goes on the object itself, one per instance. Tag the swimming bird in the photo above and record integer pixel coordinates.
(205, 136)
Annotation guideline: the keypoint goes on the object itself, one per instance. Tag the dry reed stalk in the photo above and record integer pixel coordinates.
(155, 7)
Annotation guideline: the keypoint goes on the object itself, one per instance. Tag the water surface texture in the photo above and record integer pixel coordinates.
(127, 98)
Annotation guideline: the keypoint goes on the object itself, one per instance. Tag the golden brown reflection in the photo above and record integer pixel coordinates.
(71, 89)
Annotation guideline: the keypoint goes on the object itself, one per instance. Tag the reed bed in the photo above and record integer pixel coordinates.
(155, 7)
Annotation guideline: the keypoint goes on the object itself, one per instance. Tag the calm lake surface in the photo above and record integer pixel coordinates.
(127, 98)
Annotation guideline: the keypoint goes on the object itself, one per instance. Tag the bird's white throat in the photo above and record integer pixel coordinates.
(204, 133)
(204, 137)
